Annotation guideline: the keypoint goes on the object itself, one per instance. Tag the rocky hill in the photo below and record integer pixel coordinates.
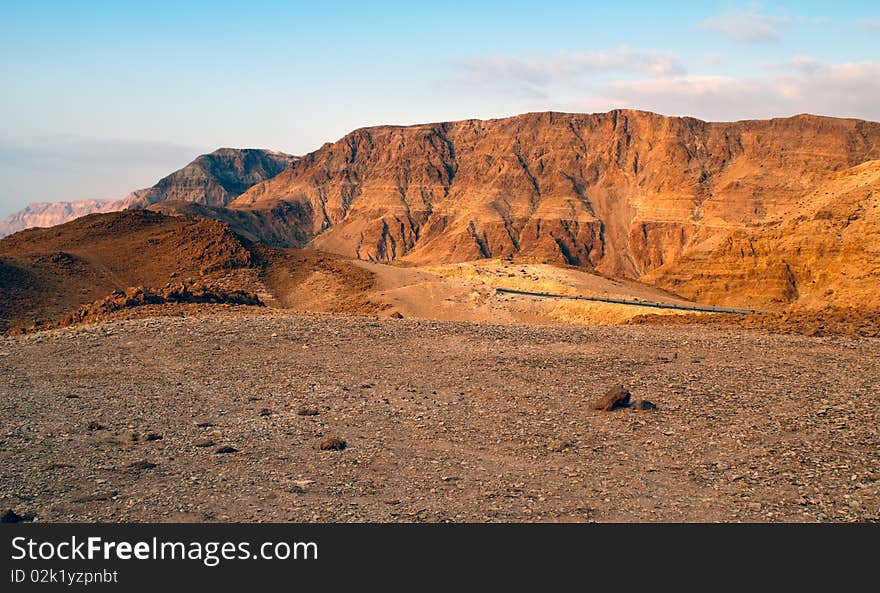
(823, 251)
(45, 274)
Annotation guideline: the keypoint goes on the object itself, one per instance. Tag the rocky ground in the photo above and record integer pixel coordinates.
(222, 417)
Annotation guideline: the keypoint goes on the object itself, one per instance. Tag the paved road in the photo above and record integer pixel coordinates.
(634, 302)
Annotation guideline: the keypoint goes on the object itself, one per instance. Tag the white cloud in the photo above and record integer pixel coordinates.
(871, 25)
(749, 27)
(843, 90)
(529, 77)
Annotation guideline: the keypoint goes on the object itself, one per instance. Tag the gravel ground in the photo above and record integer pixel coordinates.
(123, 421)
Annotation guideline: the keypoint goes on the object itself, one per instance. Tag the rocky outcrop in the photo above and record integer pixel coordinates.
(172, 294)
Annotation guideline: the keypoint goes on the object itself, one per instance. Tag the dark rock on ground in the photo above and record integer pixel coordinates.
(614, 398)
(333, 444)
(142, 465)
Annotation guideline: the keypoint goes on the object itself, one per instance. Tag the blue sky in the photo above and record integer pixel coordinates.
(100, 98)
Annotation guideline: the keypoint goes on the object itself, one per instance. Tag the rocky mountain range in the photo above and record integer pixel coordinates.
(46, 214)
(761, 213)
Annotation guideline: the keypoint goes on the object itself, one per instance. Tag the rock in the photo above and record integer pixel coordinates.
(226, 449)
(265, 412)
(645, 406)
(396, 315)
(142, 465)
(307, 411)
(299, 486)
(559, 446)
(154, 436)
(205, 443)
(93, 426)
(333, 444)
(614, 398)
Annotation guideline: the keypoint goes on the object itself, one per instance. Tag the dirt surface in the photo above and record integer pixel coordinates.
(863, 322)
(221, 417)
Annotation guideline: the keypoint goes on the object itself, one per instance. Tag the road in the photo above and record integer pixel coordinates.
(634, 302)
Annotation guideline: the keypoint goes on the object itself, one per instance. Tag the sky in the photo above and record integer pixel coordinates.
(101, 98)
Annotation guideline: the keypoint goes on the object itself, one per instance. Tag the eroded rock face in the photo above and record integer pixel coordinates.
(624, 193)
(823, 252)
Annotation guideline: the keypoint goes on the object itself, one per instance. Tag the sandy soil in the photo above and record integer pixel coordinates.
(444, 421)
(466, 292)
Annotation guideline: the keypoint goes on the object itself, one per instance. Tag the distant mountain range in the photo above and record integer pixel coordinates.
(214, 179)
(760, 213)
(45, 214)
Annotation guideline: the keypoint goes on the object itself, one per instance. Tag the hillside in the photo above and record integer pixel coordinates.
(824, 251)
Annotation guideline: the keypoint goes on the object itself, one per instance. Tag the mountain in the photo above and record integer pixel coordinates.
(626, 193)
(213, 179)
(44, 214)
